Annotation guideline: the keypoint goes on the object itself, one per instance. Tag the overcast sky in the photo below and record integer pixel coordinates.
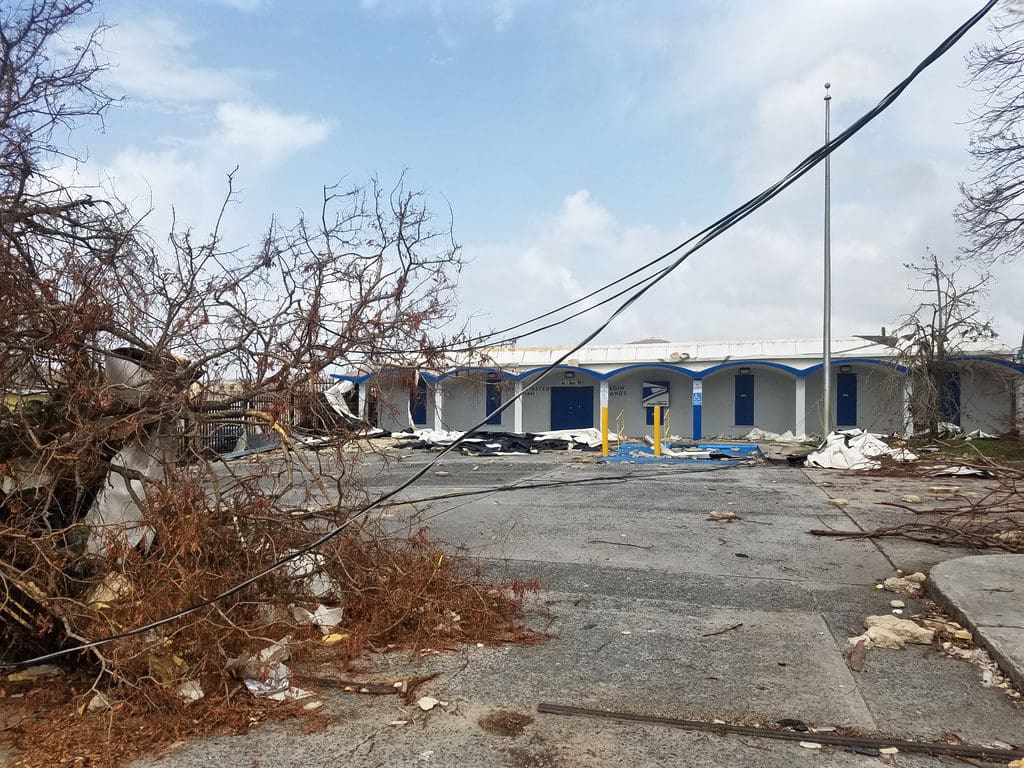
(573, 141)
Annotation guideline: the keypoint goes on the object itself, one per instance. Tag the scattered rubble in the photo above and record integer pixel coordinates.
(855, 449)
(903, 586)
(726, 516)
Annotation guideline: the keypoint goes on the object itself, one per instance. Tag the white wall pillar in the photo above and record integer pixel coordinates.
(362, 390)
(439, 405)
(1018, 404)
(800, 407)
(908, 413)
(517, 407)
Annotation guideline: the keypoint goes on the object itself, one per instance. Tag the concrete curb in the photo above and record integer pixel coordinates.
(985, 593)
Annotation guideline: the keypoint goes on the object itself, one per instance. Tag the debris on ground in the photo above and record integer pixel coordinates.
(960, 470)
(757, 435)
(503, 443)
(722, 516)
(885, 631)
(908, 586)
(855, 449)
(838, 502)
(857, 654)
(992, 518)
(427, 703)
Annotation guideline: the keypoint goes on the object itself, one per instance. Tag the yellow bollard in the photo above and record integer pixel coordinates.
(604, 430)
(657, 430)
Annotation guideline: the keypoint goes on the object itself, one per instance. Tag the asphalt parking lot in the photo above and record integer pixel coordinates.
(653, 609)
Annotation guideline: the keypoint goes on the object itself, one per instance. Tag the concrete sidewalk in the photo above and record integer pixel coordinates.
(986, 594)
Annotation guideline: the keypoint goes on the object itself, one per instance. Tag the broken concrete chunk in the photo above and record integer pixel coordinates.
(427, 703)
(37, 672)
(917, 578)
(897, 604)
(902, 586)
(810, 745)
(190, 690)
(944, 490)
(113, 586)
(723, 516)
(911, 498)
(888, 751)
(902, 628)
(98, 703)
(857, 654)
(838, 502)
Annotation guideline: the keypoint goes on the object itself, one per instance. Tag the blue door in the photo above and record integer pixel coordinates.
(418, 401)
(744, 400)
(846, 399)
(949, 398)
(493, 399)
(572, 407)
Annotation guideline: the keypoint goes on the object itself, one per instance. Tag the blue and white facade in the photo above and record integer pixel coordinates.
(716, 389)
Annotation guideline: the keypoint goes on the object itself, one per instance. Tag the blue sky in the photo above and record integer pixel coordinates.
(573, 140)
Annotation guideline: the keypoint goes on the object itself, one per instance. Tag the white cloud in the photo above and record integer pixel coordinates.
(264, 134)
(190, 175)
(152, 60)
(504, 13)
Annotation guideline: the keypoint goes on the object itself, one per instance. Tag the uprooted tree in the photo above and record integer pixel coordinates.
(930, 338)
(119, 359)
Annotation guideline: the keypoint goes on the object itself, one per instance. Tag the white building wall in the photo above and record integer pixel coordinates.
(465, 402)
(879, 398)
(986, 399)
(774, 398)
(393, 408)
(625, 402)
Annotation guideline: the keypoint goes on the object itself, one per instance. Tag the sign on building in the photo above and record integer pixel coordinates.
(655, 394)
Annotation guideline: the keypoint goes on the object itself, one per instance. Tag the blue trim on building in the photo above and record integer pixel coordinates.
(702, 374)
(837, 361)
(663, 366)
(746, 364)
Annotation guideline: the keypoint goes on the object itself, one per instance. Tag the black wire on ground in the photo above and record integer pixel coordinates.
(710, 233)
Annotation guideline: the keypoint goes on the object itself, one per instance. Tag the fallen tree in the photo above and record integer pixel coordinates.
(122, 363)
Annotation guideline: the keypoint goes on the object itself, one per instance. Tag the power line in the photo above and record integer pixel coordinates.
(709, 234)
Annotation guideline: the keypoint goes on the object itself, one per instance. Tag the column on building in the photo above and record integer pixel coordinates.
(908, 411)
(517, 406)
(439, 404)
(1018, 404)
(698, 408)
(800, 407)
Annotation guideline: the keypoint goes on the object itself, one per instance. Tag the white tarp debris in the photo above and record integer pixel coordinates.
(115, 514)
(948, 429)
(589, 437)
(760, 435)
(979, 435)
(335, 397)
(438, 437)
(854, 449)
(309, 566)
(960, 471)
